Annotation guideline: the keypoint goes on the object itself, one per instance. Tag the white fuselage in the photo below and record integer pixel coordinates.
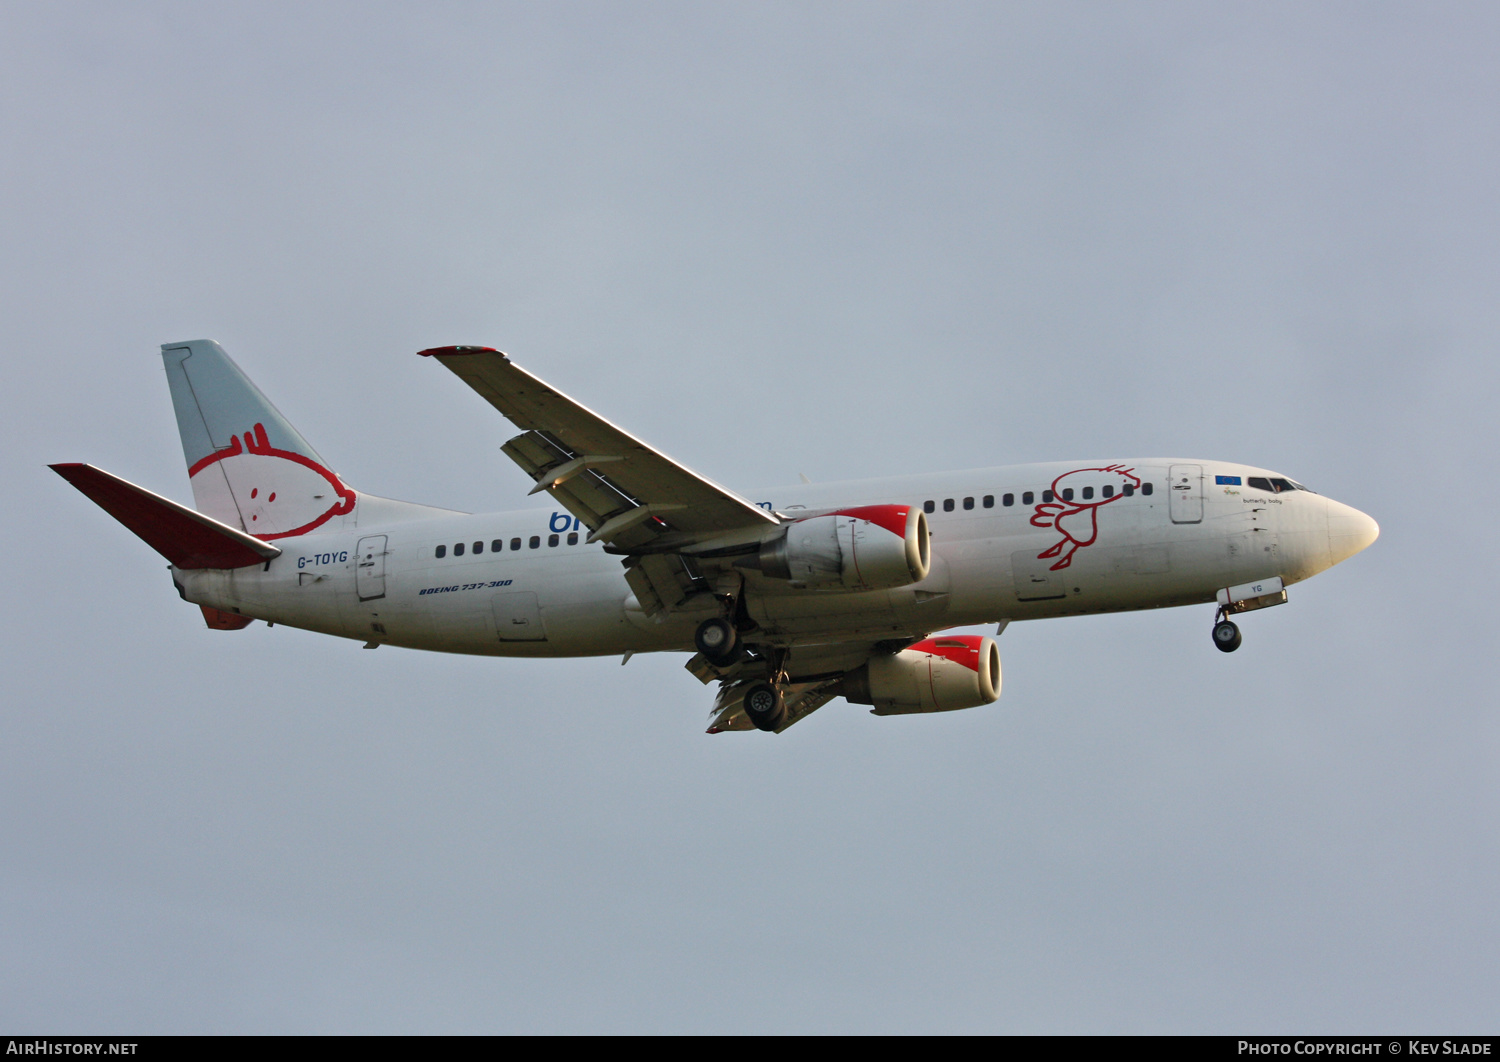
(381, 579)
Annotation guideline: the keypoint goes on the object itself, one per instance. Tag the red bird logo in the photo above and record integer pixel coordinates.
(1081, 493)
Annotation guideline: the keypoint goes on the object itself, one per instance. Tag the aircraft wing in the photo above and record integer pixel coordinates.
(632, 497)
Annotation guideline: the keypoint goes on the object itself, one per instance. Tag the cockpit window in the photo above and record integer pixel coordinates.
(1274, 484)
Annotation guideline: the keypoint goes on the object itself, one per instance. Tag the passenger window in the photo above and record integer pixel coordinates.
(552, 540)
(479, 547)
(515, 543)
(536, 541)
(947, 505)
(1128, 490)
(1145, 488)
(440, 552)
(572, 538)
(928, 506)
(968, 503)
(1108, 492)
(1067, 494)
(1046, 495)
(1027, 498)
(497, 545)
(1088, 492)
(458, 549)
(989, 501)
(1008, 500)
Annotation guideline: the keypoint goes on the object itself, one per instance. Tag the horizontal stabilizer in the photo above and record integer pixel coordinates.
(186, 538)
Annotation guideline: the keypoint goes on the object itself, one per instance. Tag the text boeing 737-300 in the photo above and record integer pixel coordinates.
(786, 598)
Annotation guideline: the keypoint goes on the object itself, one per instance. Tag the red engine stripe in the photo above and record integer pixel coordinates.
(966, 654)
(891, 517)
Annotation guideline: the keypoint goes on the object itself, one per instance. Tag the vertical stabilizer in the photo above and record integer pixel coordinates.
(248, 466)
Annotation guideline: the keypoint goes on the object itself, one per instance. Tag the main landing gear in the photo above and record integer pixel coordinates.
(764, 706)
(717, 640)
(1226, 634)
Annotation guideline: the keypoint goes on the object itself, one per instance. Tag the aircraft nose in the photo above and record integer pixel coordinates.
(1349, 530)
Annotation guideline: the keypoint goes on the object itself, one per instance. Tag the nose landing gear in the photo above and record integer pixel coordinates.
(1247, 597)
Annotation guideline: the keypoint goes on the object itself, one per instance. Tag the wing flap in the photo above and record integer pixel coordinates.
(187, 538)
(584, 493)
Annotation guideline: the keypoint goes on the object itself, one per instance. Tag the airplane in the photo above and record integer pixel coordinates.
(785, 597)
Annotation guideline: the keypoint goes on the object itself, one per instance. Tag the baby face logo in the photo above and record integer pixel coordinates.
(274, 493)
(1076, 516)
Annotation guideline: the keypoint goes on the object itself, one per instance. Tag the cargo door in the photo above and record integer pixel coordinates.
(1035, 579)
(518, 617)
(369, 568)
(1186, 486)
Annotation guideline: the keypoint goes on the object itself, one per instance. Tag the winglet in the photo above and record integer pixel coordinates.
(432, 352)
(185, 537)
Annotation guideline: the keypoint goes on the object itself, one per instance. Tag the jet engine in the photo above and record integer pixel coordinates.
(936, 675)
(870, 547)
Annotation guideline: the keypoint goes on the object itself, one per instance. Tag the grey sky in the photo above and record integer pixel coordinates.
(844, 240)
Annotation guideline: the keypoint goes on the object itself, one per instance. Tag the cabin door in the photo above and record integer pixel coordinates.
(1186, 486)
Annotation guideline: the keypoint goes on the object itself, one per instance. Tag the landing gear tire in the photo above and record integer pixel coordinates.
(764, 706)
(718, 641)
(1226, 636)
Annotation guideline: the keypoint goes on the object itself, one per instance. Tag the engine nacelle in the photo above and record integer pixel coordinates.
(869, 547)
(936, 675)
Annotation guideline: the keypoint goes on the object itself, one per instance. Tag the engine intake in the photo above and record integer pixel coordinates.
(870, 547)
(936, 675)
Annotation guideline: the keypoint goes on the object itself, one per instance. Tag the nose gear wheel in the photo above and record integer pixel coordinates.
(1226, 635)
